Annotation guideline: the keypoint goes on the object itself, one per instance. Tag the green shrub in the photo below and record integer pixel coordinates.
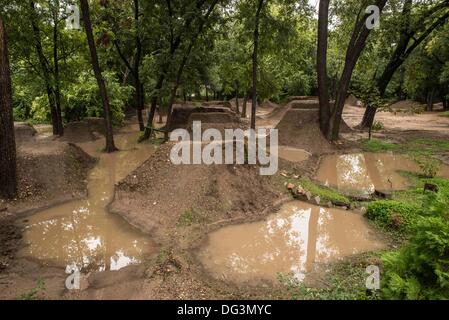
(421, 269)
(40, 110)
(429, 166)
(393, 214)
(84, 100)
(377, 126)
(375, 145)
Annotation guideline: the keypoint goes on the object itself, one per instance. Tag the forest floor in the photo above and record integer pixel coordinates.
(178, 206)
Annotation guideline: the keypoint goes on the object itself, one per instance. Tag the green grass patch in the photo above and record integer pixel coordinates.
(326, 194)
(445, 114)
(375, 145)
(191, 217)
(345, 281)
(418, 147)
(406, 207)
(392, 214)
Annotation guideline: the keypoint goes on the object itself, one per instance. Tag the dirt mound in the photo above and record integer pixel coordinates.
(84, 131)
(292, 98)
(215, 120)
(23, 132)
(160, 195)
(407, 106)
(77, 132)
(304, 104)
(353, 101)
(226, 104)
(49, 175)
(300, 129)
(181, 115)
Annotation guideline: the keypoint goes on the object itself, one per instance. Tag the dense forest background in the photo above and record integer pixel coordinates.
(148, 48)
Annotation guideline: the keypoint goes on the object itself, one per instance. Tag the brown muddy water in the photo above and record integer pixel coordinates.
(82, 233)
(299, 239)
(293, 154)
(363, 173)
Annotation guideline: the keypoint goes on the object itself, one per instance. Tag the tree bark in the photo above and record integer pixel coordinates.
(8, 164)
(323, 89)
(174, 45)
(56, 70)
(140, 96)
(255, 57)
(430, 100)
(356, 45)
(237, 99)
(400, 55)
(46, 72)
(110, 145)
(244, 105)
(184, 62)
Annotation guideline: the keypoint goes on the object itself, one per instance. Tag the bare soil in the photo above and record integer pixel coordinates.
(178, 206)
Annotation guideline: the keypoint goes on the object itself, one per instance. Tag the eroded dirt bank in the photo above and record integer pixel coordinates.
(178, 207)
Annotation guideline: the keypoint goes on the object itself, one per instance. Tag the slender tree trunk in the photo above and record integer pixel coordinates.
(8, 164)
(46, 72)
(160, 119)
(207, 93)
(244, 106)
(56, 71)
(323, 89)
(140, 89)
(184, 62)
(400, 55)
(356, 45)
(110, 145)
(255, 53)
(237, 100)
(430, 100)
(445, 104)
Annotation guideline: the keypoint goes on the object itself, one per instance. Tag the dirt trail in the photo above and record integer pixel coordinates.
(430, 123)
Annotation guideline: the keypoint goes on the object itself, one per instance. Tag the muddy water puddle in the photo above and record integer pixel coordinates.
(293, 154)
(362, 174)
(296, 241)
(82, 233)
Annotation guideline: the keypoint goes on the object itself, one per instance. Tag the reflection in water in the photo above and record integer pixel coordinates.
(82, 233)
(292, 242)
(362, 174)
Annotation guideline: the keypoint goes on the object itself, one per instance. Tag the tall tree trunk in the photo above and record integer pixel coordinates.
(46, 71)
(430, 96)
(445, 104)
(401, 53)
(174, 45)
(244, 105)
(56, 70)
(139, 86)
(184, 62)
(237, 100)
(8, 164)
(255, 53)
(356, 45)
(110, 145)
(323, 89)
(207, 93)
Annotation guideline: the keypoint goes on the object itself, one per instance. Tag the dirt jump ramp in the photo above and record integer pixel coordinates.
(183, 116)
(300, 128)
(23, 132)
